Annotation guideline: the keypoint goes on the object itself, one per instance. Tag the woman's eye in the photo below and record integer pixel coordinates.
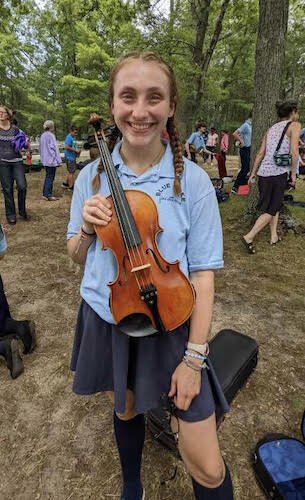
(127, 97)
(155, 98)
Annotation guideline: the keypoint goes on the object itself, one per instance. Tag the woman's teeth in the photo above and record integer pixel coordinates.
(140, 126)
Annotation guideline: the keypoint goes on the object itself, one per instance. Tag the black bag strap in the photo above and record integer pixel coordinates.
(282, 137)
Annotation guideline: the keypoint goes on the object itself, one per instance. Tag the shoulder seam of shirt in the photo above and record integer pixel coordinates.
(211, 191)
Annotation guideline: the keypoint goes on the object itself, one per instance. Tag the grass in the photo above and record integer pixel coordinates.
(57, 445)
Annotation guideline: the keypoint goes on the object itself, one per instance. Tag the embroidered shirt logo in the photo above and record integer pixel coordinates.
(165, 193)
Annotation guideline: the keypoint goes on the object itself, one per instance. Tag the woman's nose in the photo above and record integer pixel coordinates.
(139, 110)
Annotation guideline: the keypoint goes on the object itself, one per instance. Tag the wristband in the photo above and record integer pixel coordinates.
(85, 232)
(190, 365)
(202, 349)
(195, 355)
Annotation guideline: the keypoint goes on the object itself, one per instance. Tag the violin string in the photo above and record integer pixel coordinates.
(117, 196)
(121, 213)
(141, 255)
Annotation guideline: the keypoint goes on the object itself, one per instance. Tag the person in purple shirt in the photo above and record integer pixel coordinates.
(50, 158)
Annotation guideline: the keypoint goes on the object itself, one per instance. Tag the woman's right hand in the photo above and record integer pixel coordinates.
(97, 212)
(251, 179)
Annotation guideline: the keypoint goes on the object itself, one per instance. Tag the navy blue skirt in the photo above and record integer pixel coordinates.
(106, 359)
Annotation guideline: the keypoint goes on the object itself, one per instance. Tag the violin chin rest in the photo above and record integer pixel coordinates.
(137, 325)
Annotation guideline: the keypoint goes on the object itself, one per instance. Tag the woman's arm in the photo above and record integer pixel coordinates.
(186, 382)
(258, 159)
(294, 134)
(96, 212)
(203, 282)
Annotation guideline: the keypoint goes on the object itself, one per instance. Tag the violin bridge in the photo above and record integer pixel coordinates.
(140, 268)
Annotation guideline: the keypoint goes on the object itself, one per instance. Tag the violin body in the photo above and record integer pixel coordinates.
(149, 293)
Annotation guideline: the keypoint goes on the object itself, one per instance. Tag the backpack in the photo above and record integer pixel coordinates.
(221, 195)
(279, 466)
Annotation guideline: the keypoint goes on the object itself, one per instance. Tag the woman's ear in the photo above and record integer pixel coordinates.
(172, 110)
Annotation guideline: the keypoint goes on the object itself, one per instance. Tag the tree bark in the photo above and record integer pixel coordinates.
(201, 60)
(269, 65)
(269, 74)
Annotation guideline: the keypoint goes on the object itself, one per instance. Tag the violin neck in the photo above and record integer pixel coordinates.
(124, 215)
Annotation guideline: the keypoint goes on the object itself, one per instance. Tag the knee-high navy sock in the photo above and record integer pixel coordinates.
(130, 436)
(223, 492)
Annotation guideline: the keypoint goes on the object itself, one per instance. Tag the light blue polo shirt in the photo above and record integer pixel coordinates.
(246, 132)
(197, 140)
(191, 223)
(302, 134)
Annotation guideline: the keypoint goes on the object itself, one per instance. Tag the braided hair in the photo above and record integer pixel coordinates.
(171, 127)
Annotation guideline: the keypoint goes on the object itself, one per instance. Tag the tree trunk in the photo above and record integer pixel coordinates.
(269, 73)
(269, 65)
(201, 60)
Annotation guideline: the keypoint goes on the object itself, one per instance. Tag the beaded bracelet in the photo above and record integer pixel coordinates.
(197, 368)
(195, 355)
(190, 365)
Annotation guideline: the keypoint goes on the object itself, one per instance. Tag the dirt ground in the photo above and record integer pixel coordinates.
(55, 445)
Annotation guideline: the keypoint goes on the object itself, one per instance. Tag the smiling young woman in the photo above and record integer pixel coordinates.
(136, 371)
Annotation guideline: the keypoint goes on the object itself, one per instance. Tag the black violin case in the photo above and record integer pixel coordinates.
(234, 357)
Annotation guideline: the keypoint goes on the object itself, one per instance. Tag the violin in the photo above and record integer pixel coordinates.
(149, 294)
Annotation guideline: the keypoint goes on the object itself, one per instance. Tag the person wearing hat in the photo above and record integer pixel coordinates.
(50, 158)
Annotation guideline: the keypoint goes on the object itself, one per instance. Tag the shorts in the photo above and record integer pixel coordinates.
(106, 359)
(271, 193)
(71, 166)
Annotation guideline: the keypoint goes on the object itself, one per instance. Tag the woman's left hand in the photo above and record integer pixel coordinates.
(185, 386)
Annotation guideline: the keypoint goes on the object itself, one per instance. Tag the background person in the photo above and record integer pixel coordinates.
(50, 158)
(243, 135)
(137, 371)
(71, 153)
(224, 146)
(195, 143)
(11, 328)
(272, 179)
(12, 140)
(212, 142)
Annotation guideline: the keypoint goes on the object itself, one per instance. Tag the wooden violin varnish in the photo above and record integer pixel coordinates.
(149, 294)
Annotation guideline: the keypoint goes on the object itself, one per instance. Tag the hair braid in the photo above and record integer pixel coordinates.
(111, 141)
(177, 152)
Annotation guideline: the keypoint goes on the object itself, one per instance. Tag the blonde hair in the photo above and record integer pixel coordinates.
(170, 126)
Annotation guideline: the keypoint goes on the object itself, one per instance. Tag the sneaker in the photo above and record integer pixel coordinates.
(65, 185)
(50, 198)
(71, 188)
(233, 191)
(11, 219)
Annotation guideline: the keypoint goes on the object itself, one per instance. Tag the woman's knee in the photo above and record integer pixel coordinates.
(208, 475)
(129, 412)
(127, 415)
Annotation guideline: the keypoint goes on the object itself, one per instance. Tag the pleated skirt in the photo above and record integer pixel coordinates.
(106, 359)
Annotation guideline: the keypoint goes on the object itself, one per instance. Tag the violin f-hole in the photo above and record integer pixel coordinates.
(167, 267)
(125, 272)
